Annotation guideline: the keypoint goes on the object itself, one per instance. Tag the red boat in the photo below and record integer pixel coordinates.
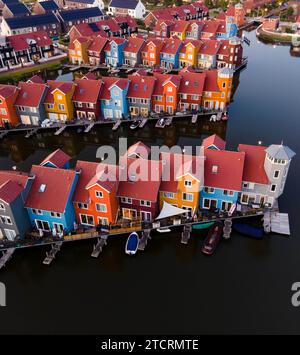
(213, 239)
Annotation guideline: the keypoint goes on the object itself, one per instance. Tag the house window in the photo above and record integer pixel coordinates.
(228, 193)
(168, 195)
(10, 234)
(145, 203)
(276, 174)
(59, 97)
(35, 211)
(187, 197)
(126, 200)
(86, 219)
(61, 107)
(50, 106)
(214, 169)
(209, 190)
(206, 203)
(103, 221)
(2, 207)
(169, 98)
(55, 214)
(79, 104)
(82, 205)
(187, 183)
(273, 187)
(42, 225)
(101, 207)
(170, 89)
(99, 194)
(3, 111)
(6, 220)
(58, 227)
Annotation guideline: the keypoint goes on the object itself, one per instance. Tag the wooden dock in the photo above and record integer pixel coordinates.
(6, 256)
(32, 132)
(158, 125)
(144, 240)
(89, 127)
(97, 249)
(194, 118)
(51, 255)
(186, 234)
(280, 223)
(169, 121)
(227, 229)
(60, 130)
(116, 125)
(144, 121)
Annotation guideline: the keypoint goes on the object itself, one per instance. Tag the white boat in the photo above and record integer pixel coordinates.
(132, 243)
(163, 230)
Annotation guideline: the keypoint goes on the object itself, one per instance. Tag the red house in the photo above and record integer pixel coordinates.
(191, 90)
(86, 99)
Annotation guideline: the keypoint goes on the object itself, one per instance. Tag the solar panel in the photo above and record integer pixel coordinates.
(94, 27)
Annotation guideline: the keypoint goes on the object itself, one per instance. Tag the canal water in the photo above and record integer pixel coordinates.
(170, 288)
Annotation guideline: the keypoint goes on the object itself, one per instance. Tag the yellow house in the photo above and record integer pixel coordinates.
(78, 51)
(188, 53)
(182, 181)
(217, 88)
(179, 29)
(58, 101)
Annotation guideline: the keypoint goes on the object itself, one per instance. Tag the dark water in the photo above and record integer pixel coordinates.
(171, 288)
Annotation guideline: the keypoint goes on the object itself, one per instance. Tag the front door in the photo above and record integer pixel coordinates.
(213, 204)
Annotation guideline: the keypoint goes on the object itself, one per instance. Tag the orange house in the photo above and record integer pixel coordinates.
(78, 51)
(151, 52)
(165, 94)
(94, 199)
(8, 115)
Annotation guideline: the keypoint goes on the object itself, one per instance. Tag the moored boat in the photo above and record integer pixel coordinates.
(203, 225)
(132, 244)
(213, 239)
(248, 230)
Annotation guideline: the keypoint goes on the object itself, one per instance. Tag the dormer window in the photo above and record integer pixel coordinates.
(2, 207)
(187, 183)
(99, 194)
(214, 169)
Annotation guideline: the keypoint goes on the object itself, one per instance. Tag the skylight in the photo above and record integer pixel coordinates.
(42, 188)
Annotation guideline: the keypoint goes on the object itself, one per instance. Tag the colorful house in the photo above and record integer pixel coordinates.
(49, 202)
(114, 51)
(8, 114)
(217, 88)
(163, 28)
(14, 187)
(95, 200)
(96, 54)
(182, 180)
(188, 55)
(230, 53)
(207, 54)
(78, 50)
(139, 188)
(191, 91)
(223, 173)
(30, 103)
(86, 99)
(169, 53)
(139, 95)
(179, 29)
(132, 51)
(194, 30)
(58, 101)
(113, 98)
(57, 159)
(165, 94)
(151, 52)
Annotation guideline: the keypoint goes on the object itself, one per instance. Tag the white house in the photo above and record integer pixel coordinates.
(133, 8)
(84, 3)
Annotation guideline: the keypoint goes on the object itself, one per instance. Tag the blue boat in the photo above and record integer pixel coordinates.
(132, 243)
(249, 230)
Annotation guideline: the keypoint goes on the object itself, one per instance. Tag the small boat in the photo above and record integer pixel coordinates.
(213, 239)
(213, 118)
(132, 243)
(163, 230)
(135, 124)
(161, 123)
(248, 230)
(203, 225)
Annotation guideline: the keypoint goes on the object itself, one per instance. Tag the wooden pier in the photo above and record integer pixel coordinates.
(116, 125)
(6, 256)
(144, 121)
(194, 118)
(89, 127)
(97, 249)
(32, 132)
(60, 130)
(144, 240)
(227, 229)
(186, 233)
(51, 255)
(169, 121)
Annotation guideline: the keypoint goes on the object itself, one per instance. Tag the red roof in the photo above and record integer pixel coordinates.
(89, 76)
(180, 26)
(171, 45)
(230, 11)
(159, 24)
(224, 47)
(35, 79)
(211, 81)
(98, 44)
(192, 83)
(63, 86)
(107, 82)
(254, 170)
(84, 29)
(30, 94)
(116, 40)
(134, 44)
(57, 158)
(87, 90)
(12, 184)
(58, 185)
(7, 90)
(141, 86)
(132, 186)
(139, 149)
(162, 79)
(298, 19)
(214, 140)
(156, 42)
(107, 176)
(140, 72)
(87, 172)
(229, 169)
(22, 42)
(209, 47)
(126, 19)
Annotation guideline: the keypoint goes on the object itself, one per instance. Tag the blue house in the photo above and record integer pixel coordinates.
(169, 54)
(49, 202)
(113, 100)
(114, 51)
(223, 174)
(57, 159)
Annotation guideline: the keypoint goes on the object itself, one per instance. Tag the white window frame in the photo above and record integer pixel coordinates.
(86, 215)
(99, 194)
(187, 193)
(98, 207)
